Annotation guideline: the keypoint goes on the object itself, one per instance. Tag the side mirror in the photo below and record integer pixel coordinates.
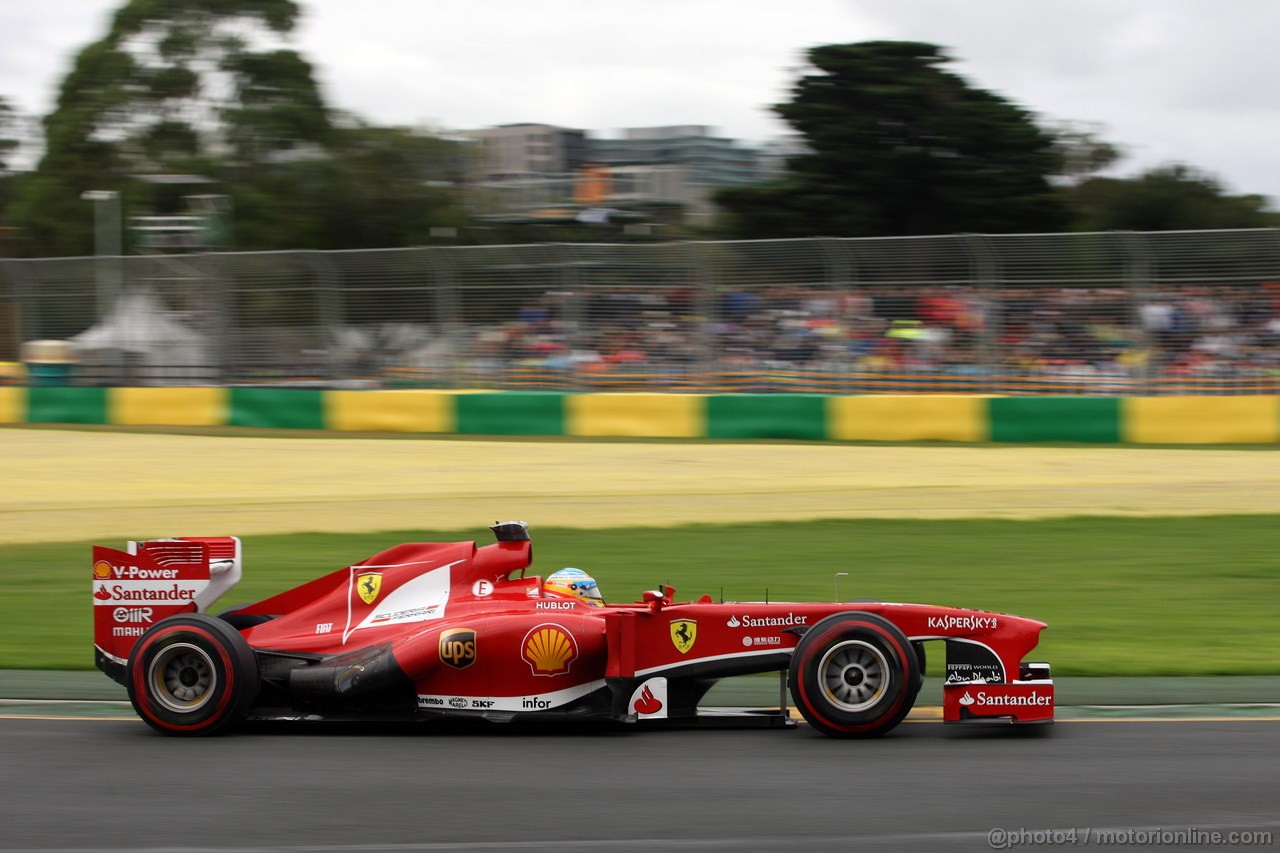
(658, 598)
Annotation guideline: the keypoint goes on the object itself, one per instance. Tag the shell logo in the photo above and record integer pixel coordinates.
(549, 650)
(102, 570)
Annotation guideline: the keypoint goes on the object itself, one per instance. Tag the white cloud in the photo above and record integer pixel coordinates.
(1170, 80)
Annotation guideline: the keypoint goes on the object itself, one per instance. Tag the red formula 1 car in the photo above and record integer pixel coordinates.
(430, 630)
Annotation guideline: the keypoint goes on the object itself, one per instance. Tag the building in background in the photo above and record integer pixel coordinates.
(680, 164)
(526, 169)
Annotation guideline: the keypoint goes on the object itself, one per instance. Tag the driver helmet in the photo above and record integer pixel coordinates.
(574, 583)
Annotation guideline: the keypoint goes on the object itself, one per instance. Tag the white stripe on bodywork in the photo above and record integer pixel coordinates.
(109, 656)
(556, 698)
(426, 592)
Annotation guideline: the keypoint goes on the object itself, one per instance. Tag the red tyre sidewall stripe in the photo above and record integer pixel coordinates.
(140, 678)
(902, 693)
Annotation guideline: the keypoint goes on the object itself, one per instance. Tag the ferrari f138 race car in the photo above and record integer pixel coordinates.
(430, 630)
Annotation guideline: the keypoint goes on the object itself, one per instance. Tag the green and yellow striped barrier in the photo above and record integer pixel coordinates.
(813, 417)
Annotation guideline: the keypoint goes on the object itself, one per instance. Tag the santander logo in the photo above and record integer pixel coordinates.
(1030, 699)
(647, 703)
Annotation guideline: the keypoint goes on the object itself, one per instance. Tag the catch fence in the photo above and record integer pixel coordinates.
(1109, 314)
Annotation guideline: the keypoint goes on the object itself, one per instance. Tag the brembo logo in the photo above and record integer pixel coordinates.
(963, 623)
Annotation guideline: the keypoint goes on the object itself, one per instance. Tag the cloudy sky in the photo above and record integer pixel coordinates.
(1188, 81)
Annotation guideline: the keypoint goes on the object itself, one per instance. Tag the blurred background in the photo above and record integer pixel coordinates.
(192, 210)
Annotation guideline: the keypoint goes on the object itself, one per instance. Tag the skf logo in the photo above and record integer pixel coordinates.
(684, 633)
(458, 647)
(102, 570)
(368, 585)
(549, 650)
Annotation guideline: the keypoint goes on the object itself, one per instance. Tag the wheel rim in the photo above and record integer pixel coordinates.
(854, 675)
(182, 678)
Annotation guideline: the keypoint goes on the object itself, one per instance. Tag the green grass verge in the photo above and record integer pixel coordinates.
(1141, 596)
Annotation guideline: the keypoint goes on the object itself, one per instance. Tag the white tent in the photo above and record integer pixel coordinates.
(146, 341)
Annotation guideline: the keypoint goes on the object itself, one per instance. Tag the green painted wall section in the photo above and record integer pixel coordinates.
(1084, 419)
(809, 417)
(799, 416)
(510, 413)
(66, 405)
(271, 408)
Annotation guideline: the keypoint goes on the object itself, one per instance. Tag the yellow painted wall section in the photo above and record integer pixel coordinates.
(406, 410)
(637, 415)
(13, 405)
(167, 406)
(916, 417)
(1200, 420)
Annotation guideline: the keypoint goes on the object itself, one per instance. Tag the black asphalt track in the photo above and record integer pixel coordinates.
(96, 785)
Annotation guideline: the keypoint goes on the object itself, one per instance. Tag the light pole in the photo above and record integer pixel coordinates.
(107, 248)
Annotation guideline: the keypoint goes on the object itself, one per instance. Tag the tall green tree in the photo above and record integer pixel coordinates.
(10, 133)
(392, 185)
(174, 86)
(1169, 198)
(1082, 152)
(899, 145)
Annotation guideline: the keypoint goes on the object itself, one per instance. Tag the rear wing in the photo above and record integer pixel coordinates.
(135, 588)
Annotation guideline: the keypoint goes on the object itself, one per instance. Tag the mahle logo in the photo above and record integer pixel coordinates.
(458, 647)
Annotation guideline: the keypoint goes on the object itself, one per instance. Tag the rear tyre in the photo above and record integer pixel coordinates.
(854, 675)
(192, 675)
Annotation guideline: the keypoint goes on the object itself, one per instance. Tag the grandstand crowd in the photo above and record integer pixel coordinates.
(806, 338)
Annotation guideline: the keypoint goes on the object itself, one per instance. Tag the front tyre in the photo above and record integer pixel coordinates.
(854, 675)
(192, 675)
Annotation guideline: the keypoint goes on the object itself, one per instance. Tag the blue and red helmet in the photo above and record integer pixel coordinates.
(574, 583)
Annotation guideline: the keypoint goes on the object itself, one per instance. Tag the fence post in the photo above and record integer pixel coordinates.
(328, 285)
(841, 273)
(1137, 274)
(984, 271)
(437, 261)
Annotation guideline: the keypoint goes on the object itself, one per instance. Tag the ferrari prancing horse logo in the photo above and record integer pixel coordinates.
(684, 633)
(368, 585)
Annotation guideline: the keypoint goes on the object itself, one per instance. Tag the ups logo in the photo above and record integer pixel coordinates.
(458, 647)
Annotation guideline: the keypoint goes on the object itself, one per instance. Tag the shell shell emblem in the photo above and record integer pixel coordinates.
(549, 650)
(102, 570)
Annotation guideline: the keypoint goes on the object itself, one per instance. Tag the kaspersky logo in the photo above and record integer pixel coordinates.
(964, 623)
(983, 699)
